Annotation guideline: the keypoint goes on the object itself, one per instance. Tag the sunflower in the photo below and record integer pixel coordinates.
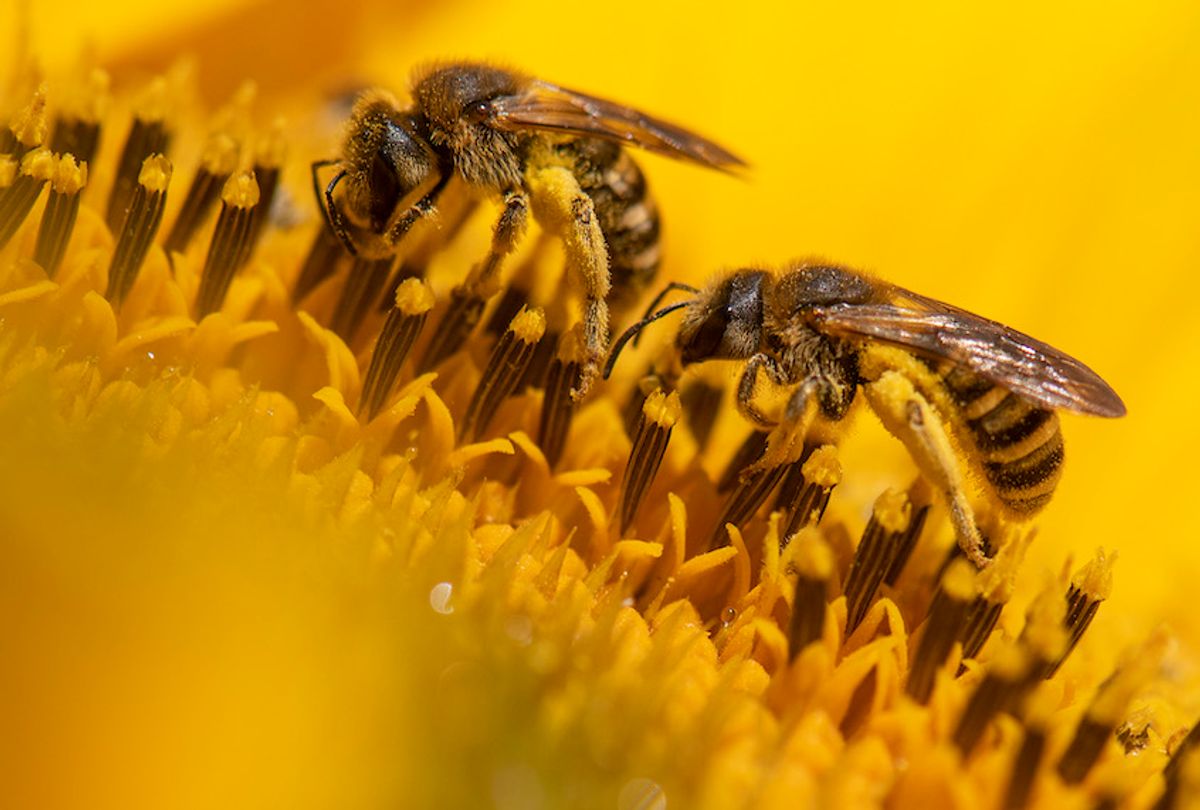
(256, 555)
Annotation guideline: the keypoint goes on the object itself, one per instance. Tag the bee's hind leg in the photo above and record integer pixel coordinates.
(562, 205)
(909, 417)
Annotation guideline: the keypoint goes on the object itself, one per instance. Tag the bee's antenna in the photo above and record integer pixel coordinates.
(333, 216)
(674, 285)
(633, 331)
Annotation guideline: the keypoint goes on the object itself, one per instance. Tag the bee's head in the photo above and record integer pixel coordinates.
(385, 159)
(725, 321)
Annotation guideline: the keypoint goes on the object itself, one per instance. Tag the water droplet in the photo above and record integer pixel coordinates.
(627, 601)
(439, 598)
(150, 355)
(519, 629)
(642, 794)
(728, 616)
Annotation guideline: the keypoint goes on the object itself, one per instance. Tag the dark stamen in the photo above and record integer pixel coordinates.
(510, 303)
(504, 370)
(77, 125)
(58, 218)
(267, 165)
(813, 561)
(947, 613)
(363, 285)
(457, 323)
(806, 488)
(147, 136)
(996, 584)
(747, 453)
(558, 405)
(1181, 771)
(322, 261)
(16, 200)
(230, 242)
(1106, 711)
(650, 439)
(920, 496)
(216, 164)
(1002, 687)
(751, 492)
(880, 542)
(1025, 768)
(140, 226)
(1089, 587)
(701, 405)
(413, 302)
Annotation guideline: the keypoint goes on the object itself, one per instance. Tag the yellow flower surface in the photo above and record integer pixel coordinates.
(226, 586)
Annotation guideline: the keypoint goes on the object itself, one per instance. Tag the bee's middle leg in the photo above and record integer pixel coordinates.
(909, 417)
(467, 300)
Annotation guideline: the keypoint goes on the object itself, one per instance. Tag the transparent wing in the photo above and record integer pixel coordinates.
(544, 106)
(1011, 359)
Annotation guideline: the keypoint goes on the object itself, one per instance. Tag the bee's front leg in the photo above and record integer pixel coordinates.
(909, 417)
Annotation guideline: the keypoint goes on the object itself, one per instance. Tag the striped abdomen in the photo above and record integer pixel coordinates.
(627, 215)
(1020, 445)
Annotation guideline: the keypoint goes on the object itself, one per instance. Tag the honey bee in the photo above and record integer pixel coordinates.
(825, 331)
(533, 145)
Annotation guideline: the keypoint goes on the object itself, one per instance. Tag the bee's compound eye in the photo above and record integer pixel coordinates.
(477, 111)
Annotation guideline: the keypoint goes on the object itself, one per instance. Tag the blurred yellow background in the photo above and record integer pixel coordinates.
(1038, 164)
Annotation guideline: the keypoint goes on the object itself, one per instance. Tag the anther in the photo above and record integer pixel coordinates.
(77, 124)
(458, 321)
(363, 285)
(558, 406)
(216, 164)
(813, 562)
(17, 198)
(413, 301)
(504, 370)
(659, 416)
(58, 218)
(230, 242)
(943, 623)
(804, 493)
(147, 136)
(1089, 587)
(139, 228)
(1108, 709)
(28, 128)
(644, 386)
(1003, 685)
(880, 542)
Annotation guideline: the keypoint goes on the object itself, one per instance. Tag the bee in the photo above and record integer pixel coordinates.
(534, 146)
(822, 332)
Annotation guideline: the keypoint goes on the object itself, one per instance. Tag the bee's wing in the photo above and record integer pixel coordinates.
(1013, 360)
(544, 106)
